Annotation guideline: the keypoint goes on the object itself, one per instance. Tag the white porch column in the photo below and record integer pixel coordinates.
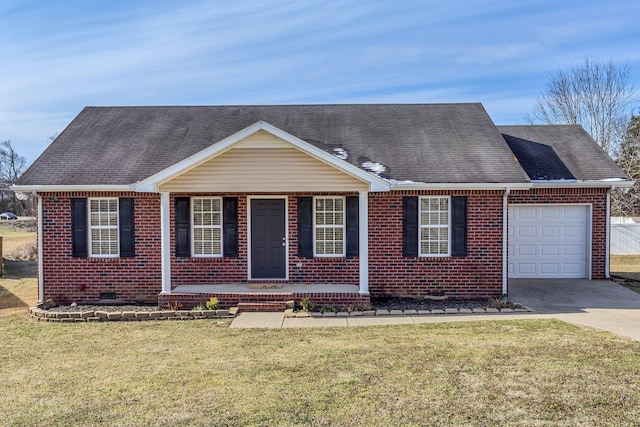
(165, 242)
(363, 220)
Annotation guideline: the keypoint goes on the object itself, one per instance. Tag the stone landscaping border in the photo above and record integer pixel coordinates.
(42, 315)
(290, 313)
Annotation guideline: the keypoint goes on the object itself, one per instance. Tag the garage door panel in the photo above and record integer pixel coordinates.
(526, 212)
(547, 241)
(550, 231)
(524, 269)
(571, 231)
(526, 231)
(573, 250)
(573, 270)
(524, 250)
(548, 214)
(574, 213)
(549, 269)
(552, 250)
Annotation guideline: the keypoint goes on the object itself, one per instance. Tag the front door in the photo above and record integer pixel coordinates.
(268, 239)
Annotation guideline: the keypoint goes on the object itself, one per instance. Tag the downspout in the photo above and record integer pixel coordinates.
(505, 251)
(607, 233)
(40, 252)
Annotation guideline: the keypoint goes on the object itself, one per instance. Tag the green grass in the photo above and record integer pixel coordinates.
(201, 373)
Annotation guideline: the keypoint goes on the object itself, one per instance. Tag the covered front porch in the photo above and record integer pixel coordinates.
(276, 209)
(263, 297)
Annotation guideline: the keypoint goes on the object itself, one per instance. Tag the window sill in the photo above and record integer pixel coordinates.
(202, 259)
(104, 260)
(330, 258)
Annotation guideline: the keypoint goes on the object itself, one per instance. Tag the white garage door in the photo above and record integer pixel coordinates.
(548, 241)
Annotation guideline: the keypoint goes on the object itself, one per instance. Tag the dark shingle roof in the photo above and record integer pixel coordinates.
(432, 143)
(555, 152)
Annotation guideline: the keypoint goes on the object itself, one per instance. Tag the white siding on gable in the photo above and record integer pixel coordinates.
(263, 163)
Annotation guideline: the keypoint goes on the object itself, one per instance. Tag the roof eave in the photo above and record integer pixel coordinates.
(602, 183)
(45, 188)
(407, 185)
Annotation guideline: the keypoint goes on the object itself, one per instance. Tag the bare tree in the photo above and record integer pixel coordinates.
(596, 95)
(628, 158)
(12, 165)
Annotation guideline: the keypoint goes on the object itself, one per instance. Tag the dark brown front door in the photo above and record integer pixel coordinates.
(268, 239)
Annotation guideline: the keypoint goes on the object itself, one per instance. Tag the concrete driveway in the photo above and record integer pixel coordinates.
(599, 304)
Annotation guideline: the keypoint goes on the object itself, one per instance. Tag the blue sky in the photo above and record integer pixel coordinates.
(59, 56)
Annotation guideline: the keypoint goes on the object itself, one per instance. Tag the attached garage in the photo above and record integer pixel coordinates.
(549, 241)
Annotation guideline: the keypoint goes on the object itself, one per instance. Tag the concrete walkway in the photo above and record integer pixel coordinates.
(595, 304)
(277, 320)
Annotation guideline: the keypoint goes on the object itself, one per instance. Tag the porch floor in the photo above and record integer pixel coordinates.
(287, 288)
(236, 294)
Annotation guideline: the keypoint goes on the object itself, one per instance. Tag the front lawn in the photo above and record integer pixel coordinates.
(202, 373)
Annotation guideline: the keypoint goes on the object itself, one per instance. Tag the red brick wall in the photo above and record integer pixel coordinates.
(596, 197)
(195, 270)
(81, 280)
(479, 274)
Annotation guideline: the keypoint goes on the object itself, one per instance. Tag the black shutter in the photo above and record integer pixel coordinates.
(230, 226)
(410, 226)
(183, 228)
(79, 227)
(305, 227)
(459, 226)
(127, 235)
(352, 232)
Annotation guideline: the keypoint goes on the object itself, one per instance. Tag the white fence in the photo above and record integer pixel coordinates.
(625, 236)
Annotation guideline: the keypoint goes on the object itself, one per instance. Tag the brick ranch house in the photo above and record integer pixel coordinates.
(333, 202)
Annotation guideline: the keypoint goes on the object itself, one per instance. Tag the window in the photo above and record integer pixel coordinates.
(434, 226)
(103, 228)
(207, 226)
(329, 226)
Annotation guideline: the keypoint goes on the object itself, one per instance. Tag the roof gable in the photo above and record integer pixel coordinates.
(154, 182)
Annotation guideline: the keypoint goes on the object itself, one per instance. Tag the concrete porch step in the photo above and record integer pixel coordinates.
(262, 306)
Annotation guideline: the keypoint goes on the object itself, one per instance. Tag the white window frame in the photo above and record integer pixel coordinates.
(91, 227)
(193, 227)
(422, 226)
(316, 226)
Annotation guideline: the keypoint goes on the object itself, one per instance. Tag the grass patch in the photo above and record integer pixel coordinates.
(625, 270)
(19, 284)
(198, 373)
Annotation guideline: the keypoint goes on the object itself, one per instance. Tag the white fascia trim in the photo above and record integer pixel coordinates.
(68, 188)
(583, 184)
(152, 183)
(405, 185)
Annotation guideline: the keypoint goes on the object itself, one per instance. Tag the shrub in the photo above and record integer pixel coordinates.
(307, 304)
(213, 303)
